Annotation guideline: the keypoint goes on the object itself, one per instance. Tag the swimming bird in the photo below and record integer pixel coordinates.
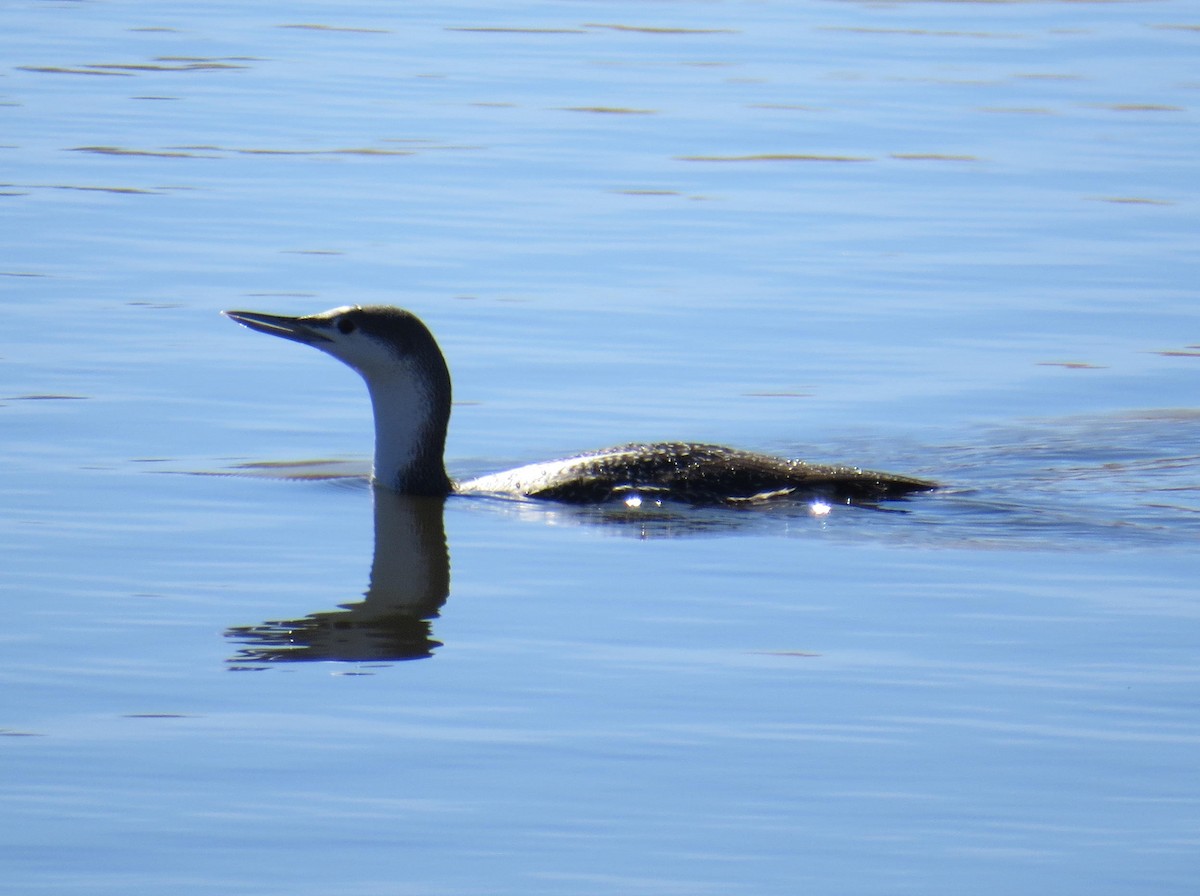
(409, 384)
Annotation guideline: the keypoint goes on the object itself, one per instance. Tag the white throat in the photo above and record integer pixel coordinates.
(402, 417)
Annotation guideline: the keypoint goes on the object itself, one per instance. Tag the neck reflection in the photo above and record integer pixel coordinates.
(410, 581)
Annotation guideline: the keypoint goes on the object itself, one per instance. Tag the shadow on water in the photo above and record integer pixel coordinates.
(1110, 482)
(410, 580)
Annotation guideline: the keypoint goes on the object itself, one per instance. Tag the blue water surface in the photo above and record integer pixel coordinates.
(949, 240)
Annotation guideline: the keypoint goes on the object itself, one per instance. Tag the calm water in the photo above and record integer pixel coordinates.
(951, 240)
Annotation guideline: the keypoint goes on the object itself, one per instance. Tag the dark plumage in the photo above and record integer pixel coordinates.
(704, 474)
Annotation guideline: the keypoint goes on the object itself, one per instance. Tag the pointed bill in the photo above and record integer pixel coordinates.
(299, 329)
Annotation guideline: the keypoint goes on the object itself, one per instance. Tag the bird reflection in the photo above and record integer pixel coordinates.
(410, 581)
(410, 571)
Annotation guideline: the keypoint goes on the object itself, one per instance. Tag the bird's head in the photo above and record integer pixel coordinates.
(377, 341)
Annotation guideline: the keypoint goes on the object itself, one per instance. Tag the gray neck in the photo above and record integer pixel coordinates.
(410, 434)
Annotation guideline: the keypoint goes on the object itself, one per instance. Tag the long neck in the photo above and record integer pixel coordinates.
(410, 435)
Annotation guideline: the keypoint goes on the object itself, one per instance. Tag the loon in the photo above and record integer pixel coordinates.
(409, 385)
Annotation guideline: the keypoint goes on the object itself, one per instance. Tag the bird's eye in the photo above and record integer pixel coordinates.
(346, 326)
